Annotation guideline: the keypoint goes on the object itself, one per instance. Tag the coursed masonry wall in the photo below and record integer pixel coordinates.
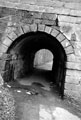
(62, 17)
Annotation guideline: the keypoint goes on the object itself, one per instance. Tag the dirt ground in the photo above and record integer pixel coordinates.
(34, 101)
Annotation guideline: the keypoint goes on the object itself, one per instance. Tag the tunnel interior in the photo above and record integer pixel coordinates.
(24, 63)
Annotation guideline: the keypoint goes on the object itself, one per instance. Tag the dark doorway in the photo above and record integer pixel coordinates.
(25, 48)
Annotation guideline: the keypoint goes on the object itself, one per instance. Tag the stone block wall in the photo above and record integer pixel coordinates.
(16, 16)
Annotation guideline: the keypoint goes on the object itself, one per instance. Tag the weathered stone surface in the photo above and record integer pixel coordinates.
(73, 1)
(29, 7)
(50, 3)
(21, 16)
(69, 50)
(65, 28)
(73, 40)
(71, 5)
(26, 28)
(37, 14)
(65, 43)
(69, 19)
(73, 79)
(15, 19)
(38, 21)
(14, 1)
(9, 30)
(3, 24)
(60, 37)
(57, 10)
(67, 34)
(75, 13)
(33, 27)
(27, 1)
(24, 14)
(71, 31)
(78, 52)
(19, 31)
(49, 16)
(54, 32)
(78, 33)
(56, 3)
(48, 22)
(73, 65)
(74, 73)
(48, 29)
(3, 48)
(77, 46)
(12, 36)
(74, 87)
(6, 41)
(8, 4)
(41, 27)
(74, 58)
(27, 21)
(32, 7)
(45, 6)
(7, 11)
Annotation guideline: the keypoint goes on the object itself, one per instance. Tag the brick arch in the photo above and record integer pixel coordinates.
(12, 35)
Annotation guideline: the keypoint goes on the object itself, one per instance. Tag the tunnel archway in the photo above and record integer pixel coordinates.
(43, 59)
(24, 49)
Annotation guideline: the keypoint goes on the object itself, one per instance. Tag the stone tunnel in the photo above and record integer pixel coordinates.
(25, 31)
(22, 50)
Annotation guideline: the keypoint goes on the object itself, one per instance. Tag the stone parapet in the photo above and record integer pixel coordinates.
(59, 7)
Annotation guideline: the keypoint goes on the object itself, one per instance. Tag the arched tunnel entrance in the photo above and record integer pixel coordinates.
(23, 51)
(43, 59)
